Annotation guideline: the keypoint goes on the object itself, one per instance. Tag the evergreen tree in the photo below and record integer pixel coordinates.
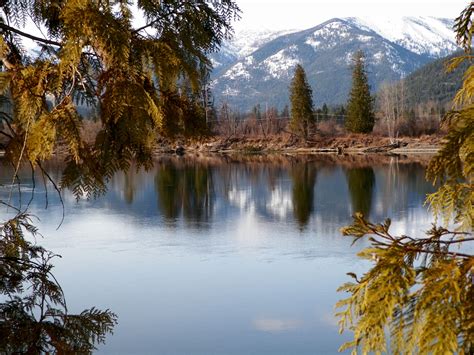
(301, 103)
(256, 111)
(285, 113)
(325, 111)
(360, 113)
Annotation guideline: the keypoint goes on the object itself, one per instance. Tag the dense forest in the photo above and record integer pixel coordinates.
(433, 82)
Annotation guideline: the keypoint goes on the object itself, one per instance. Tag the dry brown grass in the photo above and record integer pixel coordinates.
(330, 128)
(410, 128)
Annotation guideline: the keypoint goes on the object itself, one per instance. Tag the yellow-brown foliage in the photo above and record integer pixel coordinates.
(418, 296)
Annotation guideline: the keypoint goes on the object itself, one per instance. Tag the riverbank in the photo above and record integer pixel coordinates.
(342, 144)
(347, 144)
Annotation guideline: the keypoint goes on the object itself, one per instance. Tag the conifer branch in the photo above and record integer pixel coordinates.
(6, 134)
(9, 205)
(157, 20)
(136, 31)
(27, 35)
(17, 168)
(56, 188)
(422, 250)
(7, 119)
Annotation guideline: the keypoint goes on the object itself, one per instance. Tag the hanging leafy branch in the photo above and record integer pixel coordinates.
(453, 166)
(418, 295)
(92, 53)
(33, 315)
(420, 289)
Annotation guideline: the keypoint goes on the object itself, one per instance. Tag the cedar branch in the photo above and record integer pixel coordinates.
(27, 35)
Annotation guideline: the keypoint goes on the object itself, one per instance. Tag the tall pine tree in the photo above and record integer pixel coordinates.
(360, 112)
(301, 103)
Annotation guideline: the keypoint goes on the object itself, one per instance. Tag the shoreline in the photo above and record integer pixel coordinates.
(347, 144)
(338, 145)
(329, 151)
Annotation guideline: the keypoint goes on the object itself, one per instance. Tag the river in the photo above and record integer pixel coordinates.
(223, 255)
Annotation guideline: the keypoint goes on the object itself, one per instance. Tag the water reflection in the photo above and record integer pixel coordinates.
(203, 248)
(34, 318)
(360, 182)
(274, 325)
(292, 189)
(185, 190)
(304, 178)
(129, 186)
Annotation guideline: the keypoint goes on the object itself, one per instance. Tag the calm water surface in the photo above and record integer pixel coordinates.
(224, 256)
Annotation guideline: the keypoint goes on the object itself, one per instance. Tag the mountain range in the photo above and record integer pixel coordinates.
(257, 67)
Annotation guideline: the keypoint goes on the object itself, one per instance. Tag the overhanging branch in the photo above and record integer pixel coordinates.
(27, 35)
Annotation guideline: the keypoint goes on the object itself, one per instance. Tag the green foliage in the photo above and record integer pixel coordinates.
(33, 312)
(464, 29)
(285, 113)
(182, 115)
(360, 112)
(432, 83)
(419, 292)
(301, 103)
(453, 168)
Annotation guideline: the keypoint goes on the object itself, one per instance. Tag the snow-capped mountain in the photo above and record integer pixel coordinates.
(244, 43)
(257, 67)
(422, 35)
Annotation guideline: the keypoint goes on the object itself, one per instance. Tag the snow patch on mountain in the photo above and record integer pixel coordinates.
(328, 35)
(333, 28)
(279, 64)
(237, 71)
(378, 57)
(249, 60)
(421, 35)
(313, 43)
(228, 91)
(363, 38)
(246, 42)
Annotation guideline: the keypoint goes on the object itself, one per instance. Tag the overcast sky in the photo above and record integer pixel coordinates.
(301, 14)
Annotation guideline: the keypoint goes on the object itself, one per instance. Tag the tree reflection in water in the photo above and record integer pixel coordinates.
(33, 312)
(361, 182)
(303, 176)
(186, 189)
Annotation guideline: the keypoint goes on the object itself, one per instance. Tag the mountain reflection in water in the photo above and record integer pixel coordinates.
(201, 249)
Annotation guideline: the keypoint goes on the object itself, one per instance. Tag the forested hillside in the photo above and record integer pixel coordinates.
(433, 82)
